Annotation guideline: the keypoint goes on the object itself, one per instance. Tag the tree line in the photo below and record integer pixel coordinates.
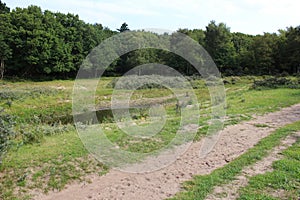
(36, 43)
(42, 43)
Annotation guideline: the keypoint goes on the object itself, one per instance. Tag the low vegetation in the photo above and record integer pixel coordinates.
(6, 132)
(40, 150)
(153, 81)
(276, 82)
(46, 154)
(282, 183)
(284, 177)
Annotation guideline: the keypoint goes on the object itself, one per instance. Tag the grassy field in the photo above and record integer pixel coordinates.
(47, 153)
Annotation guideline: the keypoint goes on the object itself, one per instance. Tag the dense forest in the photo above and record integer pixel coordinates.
(43, 44)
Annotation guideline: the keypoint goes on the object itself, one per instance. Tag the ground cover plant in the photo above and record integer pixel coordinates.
(45, 131)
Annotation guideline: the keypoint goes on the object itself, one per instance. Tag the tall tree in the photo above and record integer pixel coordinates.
(263, 48)
(291, 58)
(218, 42)
(242, 44)
(5, 31)
(48, 44)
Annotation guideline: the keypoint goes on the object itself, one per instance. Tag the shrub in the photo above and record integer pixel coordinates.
(7, 123)
(275, 82)
(31, 136)
(153, 81)
(213, 81)
(35, 132)
(27, 93)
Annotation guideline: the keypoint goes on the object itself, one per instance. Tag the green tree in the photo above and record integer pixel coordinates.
(3, 8)
(196, 34)
(29, 41)
(48, 44)
(291, 50)
(5, 53)
(5, 31)
(242, 44)
(218, 43)
(123, 28)
(263, 53)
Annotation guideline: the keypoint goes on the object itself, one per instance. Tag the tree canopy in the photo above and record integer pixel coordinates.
(36, 43)
(123, 28)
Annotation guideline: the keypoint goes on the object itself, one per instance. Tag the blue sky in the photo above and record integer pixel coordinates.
(247, 16)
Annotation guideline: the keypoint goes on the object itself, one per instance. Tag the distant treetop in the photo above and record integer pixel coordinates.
(123, 28)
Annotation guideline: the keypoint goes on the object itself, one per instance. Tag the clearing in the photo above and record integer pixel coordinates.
(47, 159)
(233, 142)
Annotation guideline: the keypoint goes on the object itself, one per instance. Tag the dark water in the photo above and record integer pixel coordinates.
(102, 115)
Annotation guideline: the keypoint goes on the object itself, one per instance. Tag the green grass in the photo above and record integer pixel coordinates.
(284, 178)
(260, 102)
(201, 186)
(60, 157)
(51, 101)
(49, 165)
(47, 100)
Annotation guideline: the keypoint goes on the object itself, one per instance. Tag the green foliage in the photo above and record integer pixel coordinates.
(196, 34)
(155, 81)
(36, 43)
(50, 145)
(3, 8)
(33, 93)
(218, 42)
(5, 37)
(35, 134)
(7, 132)
(123, 28)
(45, 43)
(289, 51)
(48, 166)
(275, 82)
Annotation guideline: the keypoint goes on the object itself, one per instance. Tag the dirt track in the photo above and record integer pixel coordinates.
(230, 191)
(234, 141)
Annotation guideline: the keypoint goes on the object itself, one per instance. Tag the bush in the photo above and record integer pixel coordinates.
(7, 123)
(196, 84)
(213, 81)
(35, 134)
(27, 93)
(31, 136)
(275, 82)
(154, 81)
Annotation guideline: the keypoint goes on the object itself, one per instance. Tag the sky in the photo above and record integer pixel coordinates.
(246, 16)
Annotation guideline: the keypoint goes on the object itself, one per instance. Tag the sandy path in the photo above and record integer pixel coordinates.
(230, 191)
(234, 141)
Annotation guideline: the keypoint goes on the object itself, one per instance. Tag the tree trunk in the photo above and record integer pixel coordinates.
(2, 69)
